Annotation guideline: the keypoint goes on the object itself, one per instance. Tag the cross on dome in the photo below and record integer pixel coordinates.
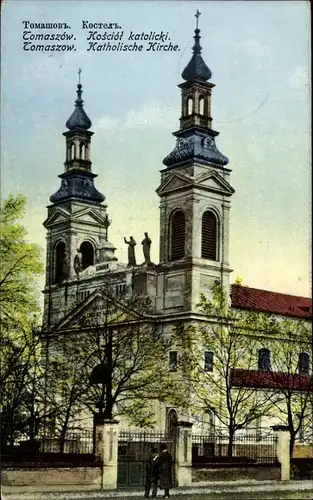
(196, 69)
(197, 14)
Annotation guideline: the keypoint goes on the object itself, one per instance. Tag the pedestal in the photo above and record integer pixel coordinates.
(106, 447)
(283, 450)
(183, 460)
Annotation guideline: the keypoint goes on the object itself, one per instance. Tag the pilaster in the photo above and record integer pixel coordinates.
(106, 449)
(283, 450)
(183, 460)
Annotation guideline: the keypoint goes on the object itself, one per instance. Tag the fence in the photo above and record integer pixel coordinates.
(76, 448)
(134, 449)
(81, 441)
(248, 447)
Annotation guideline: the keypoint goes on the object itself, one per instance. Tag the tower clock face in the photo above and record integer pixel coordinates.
(180, 143)
(87, 183)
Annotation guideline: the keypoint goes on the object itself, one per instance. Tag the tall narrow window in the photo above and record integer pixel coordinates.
(209, 236)
(304, 363)
(171, 421)
(201, 105)
(173, 361)
(208, 361)
(87, 251)
(60, 262)
(82, 151)
(189, 106)
(72, 151)
(264, 361)
(177, 232)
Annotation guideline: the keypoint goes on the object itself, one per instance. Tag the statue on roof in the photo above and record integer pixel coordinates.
(131, 251)
(146, 244)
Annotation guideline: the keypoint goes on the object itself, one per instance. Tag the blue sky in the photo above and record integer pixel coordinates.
(258, 53)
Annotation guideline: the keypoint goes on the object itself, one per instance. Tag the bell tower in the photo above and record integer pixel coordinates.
(77, 223)
(194, 196)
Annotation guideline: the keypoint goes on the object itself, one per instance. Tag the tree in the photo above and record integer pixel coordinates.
(64, 383)
(291, 381)
(20, 267)
(227, 337)
(123, 350)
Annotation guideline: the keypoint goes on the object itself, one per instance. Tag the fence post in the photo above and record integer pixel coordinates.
(183, 461)
(105, 448)
(283, 450)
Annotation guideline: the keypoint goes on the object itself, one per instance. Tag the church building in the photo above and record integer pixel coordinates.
(195, 194)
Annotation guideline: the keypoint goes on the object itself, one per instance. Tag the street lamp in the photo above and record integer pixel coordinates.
(100, 376)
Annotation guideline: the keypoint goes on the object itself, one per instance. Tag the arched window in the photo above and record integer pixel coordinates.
(60, 262)
(72, 151)
(82, 151)
(264, 361)
(201, 105)
(171, 421)
(87, 251)
(177, 232)
(173, 361)
(209, 236)
(189, 106)
(304, 363)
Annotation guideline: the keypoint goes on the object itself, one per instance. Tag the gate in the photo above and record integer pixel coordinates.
(134, 450)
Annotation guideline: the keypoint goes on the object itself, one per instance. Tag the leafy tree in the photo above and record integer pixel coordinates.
(64, 385)
(124, 349)
(291, 381)
(19, 269)
(228, 335)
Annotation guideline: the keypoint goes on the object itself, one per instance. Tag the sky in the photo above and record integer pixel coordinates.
(258, 52)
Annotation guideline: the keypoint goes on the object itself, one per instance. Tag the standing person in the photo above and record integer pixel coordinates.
(152, 473)
(165, 470)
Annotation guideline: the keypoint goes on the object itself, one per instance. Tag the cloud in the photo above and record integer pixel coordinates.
(148, 115)
(299, 79)
(253, 46)
(107, 124)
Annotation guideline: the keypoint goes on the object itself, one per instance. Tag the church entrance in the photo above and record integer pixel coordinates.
(134, 449)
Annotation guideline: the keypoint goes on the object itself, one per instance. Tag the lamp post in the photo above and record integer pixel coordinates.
(100, 376)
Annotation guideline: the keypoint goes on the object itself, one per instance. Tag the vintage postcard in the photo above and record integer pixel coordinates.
(157, 155)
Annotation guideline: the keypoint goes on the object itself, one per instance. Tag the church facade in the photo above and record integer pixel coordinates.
(195, 194)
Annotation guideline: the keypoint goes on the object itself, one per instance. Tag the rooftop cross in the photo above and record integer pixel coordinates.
(197, 14)
(79, 72)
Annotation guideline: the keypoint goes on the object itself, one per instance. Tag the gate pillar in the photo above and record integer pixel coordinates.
(283, 450)
(183, 459)
(105, 448)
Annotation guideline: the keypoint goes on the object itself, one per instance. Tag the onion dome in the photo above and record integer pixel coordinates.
(78, 118)
(196, 69)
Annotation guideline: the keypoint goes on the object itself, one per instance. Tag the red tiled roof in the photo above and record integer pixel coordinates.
(271, 380)
(243, 297)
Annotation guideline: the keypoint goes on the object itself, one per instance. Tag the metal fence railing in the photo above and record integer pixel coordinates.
(81, 441)
(134, 449)
(253, 447)
(136, 445)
